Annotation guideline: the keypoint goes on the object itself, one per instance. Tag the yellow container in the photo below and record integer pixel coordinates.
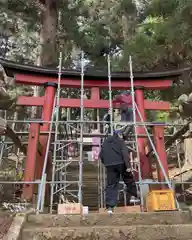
(160, 200)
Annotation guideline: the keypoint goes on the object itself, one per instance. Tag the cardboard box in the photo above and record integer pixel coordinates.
(126, 209)
(69, 208)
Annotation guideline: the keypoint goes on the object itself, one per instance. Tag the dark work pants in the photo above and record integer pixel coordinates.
(113, 177)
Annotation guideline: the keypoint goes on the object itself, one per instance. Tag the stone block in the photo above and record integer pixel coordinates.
(118, 219)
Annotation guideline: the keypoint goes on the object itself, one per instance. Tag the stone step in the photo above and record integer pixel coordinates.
(5, 222)
(139, 232)
(118, 219)
(90, 183)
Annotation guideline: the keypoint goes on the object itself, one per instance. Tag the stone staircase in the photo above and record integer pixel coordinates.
(90, 186)
(130, 226)
(90, 183)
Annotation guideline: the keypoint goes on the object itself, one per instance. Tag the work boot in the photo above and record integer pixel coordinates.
(110, 210)
(134, 200)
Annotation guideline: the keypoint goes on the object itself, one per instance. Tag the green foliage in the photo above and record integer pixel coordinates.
(158, 36)
(162, 8)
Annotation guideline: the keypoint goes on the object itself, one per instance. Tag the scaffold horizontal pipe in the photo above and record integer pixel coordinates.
(88, 135)
(66, 161)
(20, 182)
(104, 122)
(76, 182)
(104, 134)
(66, 141)
(172, 182)
(66, 191)
(38, 182)
(76, 141)
(11, 143)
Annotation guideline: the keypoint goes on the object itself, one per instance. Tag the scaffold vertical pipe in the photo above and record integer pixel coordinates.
(110, 93)
(2, 150)
(4, 112)
(179, 164)
(103, 170)
(56, 113)
(99, 166)
(135, 130)
(80, 197)
(156, 155)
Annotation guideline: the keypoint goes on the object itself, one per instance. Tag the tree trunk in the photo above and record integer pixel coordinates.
(188, 159)
(188, 152)
(127, 26)
(186, 170)
(49, 34)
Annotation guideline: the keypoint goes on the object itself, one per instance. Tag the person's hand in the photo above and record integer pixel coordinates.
(128, 170)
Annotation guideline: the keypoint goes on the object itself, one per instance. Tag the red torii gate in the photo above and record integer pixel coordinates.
(31, 75)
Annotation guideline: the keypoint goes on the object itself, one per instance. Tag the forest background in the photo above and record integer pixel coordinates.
(156, 33)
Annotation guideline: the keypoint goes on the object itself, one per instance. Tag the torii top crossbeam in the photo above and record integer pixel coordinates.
(33, 75)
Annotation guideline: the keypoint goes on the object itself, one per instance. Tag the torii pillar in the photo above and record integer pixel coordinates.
(146, 169)
(50, 90)
(36, 152)
(158, 132)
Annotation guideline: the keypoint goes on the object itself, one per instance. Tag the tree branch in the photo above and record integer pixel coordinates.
(40, 4)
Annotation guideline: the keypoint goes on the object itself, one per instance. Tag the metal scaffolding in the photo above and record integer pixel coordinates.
(136, 110)
(131, 142)
(66, 141)
(66, 183)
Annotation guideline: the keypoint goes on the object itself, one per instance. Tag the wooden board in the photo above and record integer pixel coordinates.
(126, 209)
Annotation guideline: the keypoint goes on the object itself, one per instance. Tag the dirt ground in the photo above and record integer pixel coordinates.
(5, 222)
